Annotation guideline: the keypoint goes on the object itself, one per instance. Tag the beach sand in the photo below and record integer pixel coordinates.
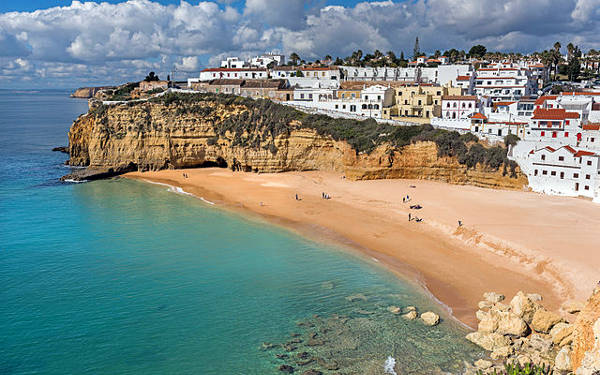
(509, 241)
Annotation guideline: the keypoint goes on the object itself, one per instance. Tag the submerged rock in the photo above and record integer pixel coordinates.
(312, 372)
(394, 309)
(286, 369)
(411, 315)
(430, 318)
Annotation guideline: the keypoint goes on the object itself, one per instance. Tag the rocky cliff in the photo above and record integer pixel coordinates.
(170, 134)
(586, 337)
(87, 92)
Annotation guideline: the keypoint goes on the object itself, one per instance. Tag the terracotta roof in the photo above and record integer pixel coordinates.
(585, 93)
(479, 116)
(570, 149)
(549, 149)
(222, 82)
(463, 78)
(591, 126)
(459, 97)
(536, 65)
(584, 153)
(503, 103)
(554, 114)
(542, 99)
(262, 83)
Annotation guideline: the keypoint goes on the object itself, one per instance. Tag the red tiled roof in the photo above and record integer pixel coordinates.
(588, 93)
(591, 126)
(479, 116)
(549, 149)
(463, 78)
(503, 103)
(542, 99)
(554, 114)
(570, 149)
(584, 153)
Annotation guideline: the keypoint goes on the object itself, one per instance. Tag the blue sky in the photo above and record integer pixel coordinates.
(69, 44)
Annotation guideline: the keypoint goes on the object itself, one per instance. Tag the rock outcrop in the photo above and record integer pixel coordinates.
(87, 92)
(158, 135)
(522, 332)
(585, 357)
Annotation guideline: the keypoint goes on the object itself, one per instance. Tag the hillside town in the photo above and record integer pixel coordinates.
(539, 100)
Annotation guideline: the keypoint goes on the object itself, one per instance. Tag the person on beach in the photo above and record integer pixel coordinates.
(297, 197)
(409, 216)
(460, 223)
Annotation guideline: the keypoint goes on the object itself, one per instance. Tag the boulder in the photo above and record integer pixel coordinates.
(394, 309)
(411, 315)
(502, 352)
(410, 308)
(524, 306)
(562, 362)
(286, 369)
(488, 322)
(481, 314)
(430, 318)
(586, 337)
(482, 364)
(485, 305)
(541, 344)
(488, 341)
(543, 320)
(560, 332)
(510, 324)
(493, 297)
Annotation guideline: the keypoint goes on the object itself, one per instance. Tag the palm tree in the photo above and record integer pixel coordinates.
(294, 58)
(556, 58)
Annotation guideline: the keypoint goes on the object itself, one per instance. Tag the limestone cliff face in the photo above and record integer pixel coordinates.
(152, 136)
(586, 338)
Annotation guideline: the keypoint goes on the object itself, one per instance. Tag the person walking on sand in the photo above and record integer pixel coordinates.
(460, 223)
(296, 196)
(409, 216)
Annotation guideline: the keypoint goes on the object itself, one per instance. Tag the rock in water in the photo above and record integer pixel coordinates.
(488, 341)
(394, 309)
(430, 318)
(286, 369)
(411, 315)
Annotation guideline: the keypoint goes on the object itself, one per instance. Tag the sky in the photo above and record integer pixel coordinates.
(67, 44)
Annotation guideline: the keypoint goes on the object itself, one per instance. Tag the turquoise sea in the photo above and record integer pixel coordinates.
(124, 277)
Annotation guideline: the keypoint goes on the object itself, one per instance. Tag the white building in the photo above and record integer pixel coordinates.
(554, 126)
(233, 73)
(564, 171)
(504, 84)
(371, 102)
(233, 63)
(263, 61)
(459, 107)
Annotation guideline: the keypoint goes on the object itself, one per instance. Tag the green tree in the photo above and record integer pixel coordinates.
(294, 58)
(299, 73)
(151, 77)
(477, 51)
(416, 49)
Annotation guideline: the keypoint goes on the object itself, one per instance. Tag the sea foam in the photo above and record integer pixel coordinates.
(388, 367)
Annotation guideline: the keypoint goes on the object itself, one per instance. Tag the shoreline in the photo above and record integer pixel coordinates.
(455, 266)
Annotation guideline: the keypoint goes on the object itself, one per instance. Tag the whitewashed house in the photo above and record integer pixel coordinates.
(504, 84)
(554, 126)
(459, 107)
(233, 63)
(233, 73)
(564, 171)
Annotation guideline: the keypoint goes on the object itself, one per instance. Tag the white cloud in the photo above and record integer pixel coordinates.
(89, 41)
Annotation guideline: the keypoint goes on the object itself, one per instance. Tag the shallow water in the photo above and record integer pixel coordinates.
(124, 277)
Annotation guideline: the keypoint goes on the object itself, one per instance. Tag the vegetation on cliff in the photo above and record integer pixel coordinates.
(265, 119)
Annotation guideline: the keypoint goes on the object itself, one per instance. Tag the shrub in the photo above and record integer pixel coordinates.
(469, 137)
(511, 140)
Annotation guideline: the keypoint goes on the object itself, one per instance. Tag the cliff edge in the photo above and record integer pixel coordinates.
(197, 130)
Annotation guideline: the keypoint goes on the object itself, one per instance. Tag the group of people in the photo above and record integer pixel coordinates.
(185, 175)
(325, 196)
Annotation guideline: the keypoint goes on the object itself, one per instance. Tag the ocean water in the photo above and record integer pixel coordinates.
(124, 277)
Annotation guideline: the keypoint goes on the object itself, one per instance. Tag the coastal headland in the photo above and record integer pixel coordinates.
(508, 241)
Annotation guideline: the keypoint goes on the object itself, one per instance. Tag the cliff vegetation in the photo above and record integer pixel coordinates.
(190, 130)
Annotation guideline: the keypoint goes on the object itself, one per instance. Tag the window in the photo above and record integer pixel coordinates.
(336, 106)
(378, 97)
(592, 140)
(543, 134)
(310, 96)
(566, 134)
(561, 158)
(447, 105)
(454, 105)
(544, 172)
(587, 176)
(587, 187)
(589, 162)
(535, 173)
(562, 175)
(553, 173)
(543, 157)
(567, 122)
(577, 186)
(301, 96)
(553, 134)
(470, 105)
(575, 175)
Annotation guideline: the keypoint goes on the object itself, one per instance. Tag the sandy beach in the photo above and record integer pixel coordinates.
(509, 240)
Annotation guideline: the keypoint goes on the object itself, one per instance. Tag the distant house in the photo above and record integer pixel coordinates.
(152, 85)
(267, 89)
(233, 73)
